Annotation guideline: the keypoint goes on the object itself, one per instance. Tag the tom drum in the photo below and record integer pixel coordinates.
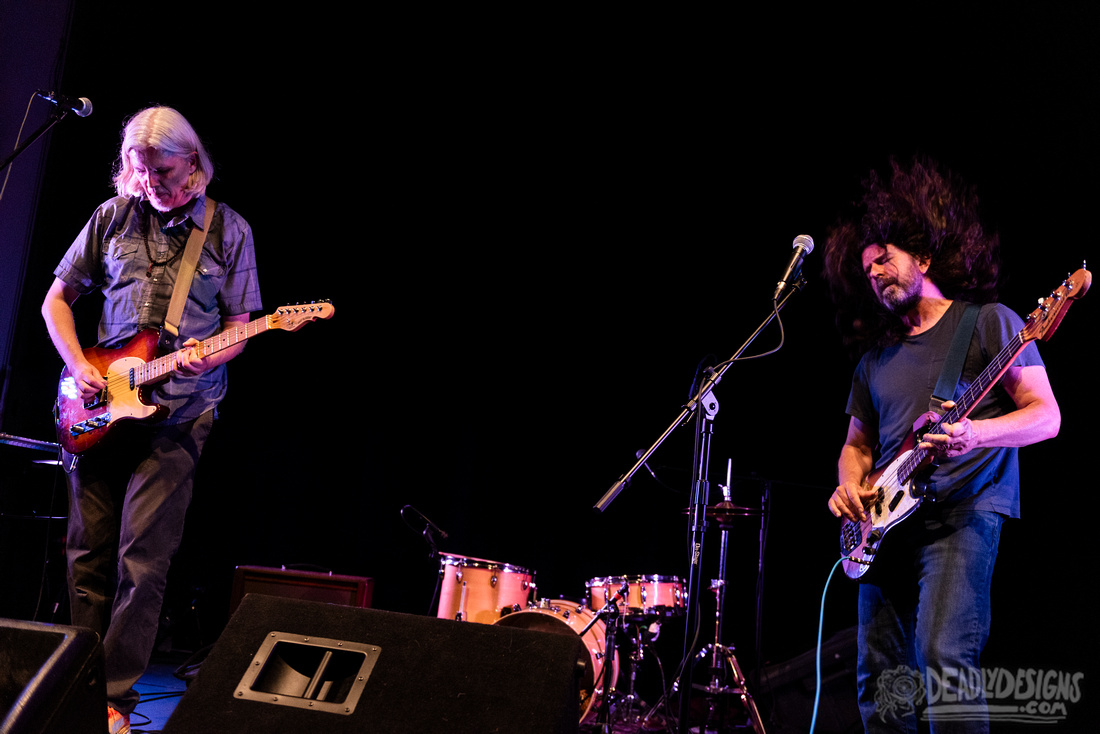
(476, 590)
(646, 596)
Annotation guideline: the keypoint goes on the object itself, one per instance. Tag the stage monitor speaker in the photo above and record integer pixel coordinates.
(289, 665)
(51, 679)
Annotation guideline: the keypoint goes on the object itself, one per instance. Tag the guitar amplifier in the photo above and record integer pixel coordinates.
(352, 591)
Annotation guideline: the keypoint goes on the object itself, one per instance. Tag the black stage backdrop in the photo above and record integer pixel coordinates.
(534, 227)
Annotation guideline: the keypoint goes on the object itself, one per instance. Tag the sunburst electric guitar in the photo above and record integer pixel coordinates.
(132, 369)
(899, 486)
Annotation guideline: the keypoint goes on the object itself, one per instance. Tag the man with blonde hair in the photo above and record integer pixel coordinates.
(129, 495)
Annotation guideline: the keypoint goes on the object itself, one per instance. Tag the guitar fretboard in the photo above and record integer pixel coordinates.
(161, 367)
(970, 398)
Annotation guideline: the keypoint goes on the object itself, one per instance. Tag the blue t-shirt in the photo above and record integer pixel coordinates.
(892, 388)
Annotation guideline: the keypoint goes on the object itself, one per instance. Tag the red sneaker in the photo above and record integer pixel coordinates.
(117, 723)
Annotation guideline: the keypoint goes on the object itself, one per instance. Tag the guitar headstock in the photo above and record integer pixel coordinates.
(292, 318)
(1042, 322)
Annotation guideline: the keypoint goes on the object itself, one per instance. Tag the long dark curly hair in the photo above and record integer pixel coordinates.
(926, 211)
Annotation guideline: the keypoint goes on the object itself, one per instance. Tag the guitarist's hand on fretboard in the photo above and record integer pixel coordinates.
(189, 360)
(957, 438)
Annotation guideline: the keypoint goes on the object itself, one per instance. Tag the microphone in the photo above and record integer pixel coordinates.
(431, 525)
(82, 106)
(803, 246)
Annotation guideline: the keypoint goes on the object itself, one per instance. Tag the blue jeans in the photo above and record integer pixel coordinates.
(924, 619)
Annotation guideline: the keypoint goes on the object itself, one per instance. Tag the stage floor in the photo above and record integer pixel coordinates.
(160, 691)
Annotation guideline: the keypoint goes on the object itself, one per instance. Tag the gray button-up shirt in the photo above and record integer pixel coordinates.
(112, 254)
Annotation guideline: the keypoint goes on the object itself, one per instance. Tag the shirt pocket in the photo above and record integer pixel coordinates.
(124, 260)
(208, 280)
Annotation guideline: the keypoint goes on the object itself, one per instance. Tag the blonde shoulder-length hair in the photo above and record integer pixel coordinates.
(169, 132)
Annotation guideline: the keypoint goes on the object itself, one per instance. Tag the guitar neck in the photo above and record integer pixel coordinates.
(970, 397)
(989, 377)
(158, 369)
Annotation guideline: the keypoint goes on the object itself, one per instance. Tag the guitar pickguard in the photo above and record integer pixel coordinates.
(860, 540)
(121, 399)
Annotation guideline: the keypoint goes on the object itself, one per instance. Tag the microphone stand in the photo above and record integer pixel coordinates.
(700, 485)
(56, 115)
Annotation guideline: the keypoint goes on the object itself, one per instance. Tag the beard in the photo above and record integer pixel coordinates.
(901, 296)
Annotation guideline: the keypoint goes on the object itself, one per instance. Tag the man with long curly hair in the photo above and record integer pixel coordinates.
(901, 273)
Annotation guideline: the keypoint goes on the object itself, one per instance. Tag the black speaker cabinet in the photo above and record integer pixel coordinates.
(787, 690)
(51, 679)
(289, 665)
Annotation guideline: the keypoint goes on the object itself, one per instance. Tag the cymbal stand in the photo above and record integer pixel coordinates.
(720, 654)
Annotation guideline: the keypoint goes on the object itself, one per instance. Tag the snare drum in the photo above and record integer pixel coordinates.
(476, 590)
(570, 618)
(649, 596)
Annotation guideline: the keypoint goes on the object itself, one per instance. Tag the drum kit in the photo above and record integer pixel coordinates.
(617, 619)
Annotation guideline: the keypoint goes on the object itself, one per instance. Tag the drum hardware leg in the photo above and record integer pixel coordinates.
(606, 690)
(720, 657)
(460, 615)
(433, 607)
(629, 710)
(720, 654)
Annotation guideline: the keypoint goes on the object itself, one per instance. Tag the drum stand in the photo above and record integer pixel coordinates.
(630, 713)
(605, 689)
(620, 710)
(720, 657)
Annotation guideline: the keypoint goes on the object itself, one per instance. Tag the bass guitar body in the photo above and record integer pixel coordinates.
(899, 490)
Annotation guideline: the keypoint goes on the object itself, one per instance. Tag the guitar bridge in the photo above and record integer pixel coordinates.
(850, 536)
(89, 424)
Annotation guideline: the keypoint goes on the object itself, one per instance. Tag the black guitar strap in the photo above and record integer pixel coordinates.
(956, 356)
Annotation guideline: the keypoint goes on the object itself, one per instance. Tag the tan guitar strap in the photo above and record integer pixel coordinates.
(193, 249)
